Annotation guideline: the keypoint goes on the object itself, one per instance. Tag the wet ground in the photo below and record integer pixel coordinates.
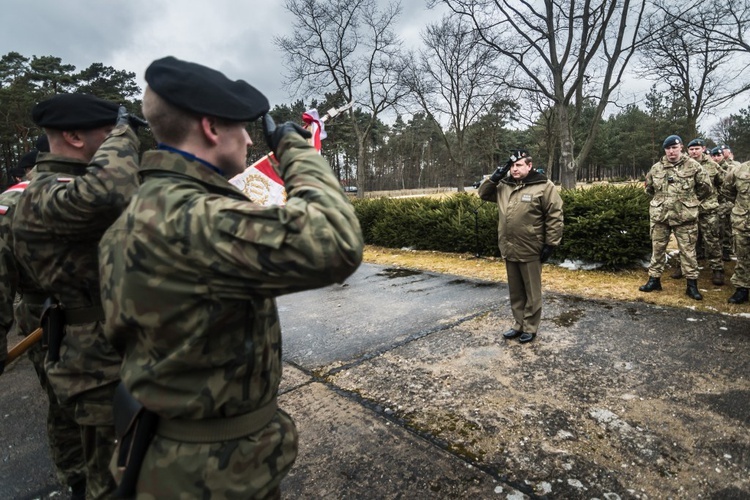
(402, 387)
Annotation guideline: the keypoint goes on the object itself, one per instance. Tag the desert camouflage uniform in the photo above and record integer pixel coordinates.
(189, 276)
(709, 223)
(725, 208)
(677, 190)
(736, 188)
(63, 433)
(57, 226)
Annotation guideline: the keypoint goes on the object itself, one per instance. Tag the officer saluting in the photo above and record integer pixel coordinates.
(189, 275)
(80, 188)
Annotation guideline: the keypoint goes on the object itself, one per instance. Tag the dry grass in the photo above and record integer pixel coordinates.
(621, 285)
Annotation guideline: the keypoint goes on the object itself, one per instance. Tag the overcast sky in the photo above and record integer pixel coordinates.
(233, 36)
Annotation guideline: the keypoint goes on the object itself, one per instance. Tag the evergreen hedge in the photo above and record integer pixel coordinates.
(603, 224)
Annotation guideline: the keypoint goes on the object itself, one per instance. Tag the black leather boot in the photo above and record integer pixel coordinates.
(740, 296)
(692, 290)
(718, 278)
(651, 285)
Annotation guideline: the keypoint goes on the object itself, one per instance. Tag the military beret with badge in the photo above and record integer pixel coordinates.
(671, 141)
(74, 112)
(515, 155)
(696, 142)
(716, 151)
(205, 91)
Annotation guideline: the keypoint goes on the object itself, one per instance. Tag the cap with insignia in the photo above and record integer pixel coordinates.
(205, 91)
(671, 141)
(517, 154)
(696, 142)
(716, 151)
(74, 112)
(724, 146)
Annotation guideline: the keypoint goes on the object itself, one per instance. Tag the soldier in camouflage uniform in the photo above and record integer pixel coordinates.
(709, 229)
(727, 163)
(62, 431)
(189, 276)
(736, 188)
(80, 188)
(677, 185)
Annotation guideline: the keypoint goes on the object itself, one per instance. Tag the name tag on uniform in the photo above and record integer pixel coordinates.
(526, 198)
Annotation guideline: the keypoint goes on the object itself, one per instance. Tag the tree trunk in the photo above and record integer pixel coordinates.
(568, 165)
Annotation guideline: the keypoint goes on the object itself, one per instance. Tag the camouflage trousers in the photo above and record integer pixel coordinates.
(248, 468)
(709, 235)
(686, 236)
(63, 433)
(741, 275)
(725, 232)
(94, 415)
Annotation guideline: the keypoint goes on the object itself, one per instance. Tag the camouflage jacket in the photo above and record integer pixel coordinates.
(530, 215)
(58, 222)
(191, 269)
(736, 188)
(711, 202)
(10, 279)
(677, 190)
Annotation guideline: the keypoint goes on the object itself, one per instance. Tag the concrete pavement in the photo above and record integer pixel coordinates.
(402, 387)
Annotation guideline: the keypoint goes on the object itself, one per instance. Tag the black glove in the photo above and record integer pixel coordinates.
(547, 251)
(274, 133)
(123, 117)
(501, 172)
(2, 366)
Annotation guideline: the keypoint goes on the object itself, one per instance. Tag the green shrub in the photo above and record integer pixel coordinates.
(606, 224)
(603, 224)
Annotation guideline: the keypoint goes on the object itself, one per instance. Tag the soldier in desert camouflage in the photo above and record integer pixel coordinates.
(189, 275)
(677, 185)
(736, 188)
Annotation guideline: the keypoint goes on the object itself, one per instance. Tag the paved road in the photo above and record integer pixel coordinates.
(401, 387)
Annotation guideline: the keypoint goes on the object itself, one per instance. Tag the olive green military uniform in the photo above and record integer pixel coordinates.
(189, 276)
(63, 433)
(736, 188)
(57, 226)
(530, 216)
(677, 190)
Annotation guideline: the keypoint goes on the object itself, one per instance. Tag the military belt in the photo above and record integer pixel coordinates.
(33, 298)
(210, 430)
(83, 315)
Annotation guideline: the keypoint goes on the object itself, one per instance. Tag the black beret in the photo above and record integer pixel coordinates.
(696, 142)
(671, 141)
(74, 112)
(205, 91)
(724, 146)
(17, 172)
(517, 154)
(42, 143)
(716, 151)
(28, 160)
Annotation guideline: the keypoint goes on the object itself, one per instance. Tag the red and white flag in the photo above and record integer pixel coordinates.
(261, 183)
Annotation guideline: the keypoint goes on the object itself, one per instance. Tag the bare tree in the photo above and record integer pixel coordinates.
(568, 51)
(690, 62)
(451, 80)
(348, 47)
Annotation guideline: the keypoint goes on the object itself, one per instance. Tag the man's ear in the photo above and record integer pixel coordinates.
(208, 127)
(73, 138)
